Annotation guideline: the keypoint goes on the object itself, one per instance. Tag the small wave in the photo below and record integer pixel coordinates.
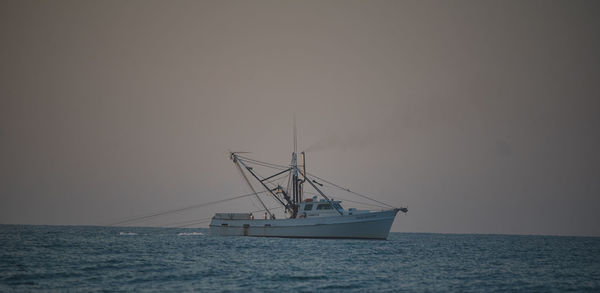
(127, 233)
(190, 233)
(297, 277)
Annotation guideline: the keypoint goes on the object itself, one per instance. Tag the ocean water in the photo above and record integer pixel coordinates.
(71, 258)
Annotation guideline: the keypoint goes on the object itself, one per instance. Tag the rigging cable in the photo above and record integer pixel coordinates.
(264, 164)
(206, 220)
(180, 209)
(350, 191)
(276, 166)
(281, 167)
(237, 163)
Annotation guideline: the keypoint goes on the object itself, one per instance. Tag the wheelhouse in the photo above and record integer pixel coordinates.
(311, 207)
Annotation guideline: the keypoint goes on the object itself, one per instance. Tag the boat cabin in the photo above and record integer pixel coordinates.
(311, 207)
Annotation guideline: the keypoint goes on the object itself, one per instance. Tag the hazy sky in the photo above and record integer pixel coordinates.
(481, 116)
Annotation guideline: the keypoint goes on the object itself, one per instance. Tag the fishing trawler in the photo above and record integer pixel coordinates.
(318, 216)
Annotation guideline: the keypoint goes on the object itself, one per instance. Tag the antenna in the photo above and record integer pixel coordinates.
(295, 139)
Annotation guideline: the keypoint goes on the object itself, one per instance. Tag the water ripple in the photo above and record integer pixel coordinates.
(47, 258)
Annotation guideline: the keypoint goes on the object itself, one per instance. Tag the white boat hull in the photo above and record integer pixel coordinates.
(373, 225)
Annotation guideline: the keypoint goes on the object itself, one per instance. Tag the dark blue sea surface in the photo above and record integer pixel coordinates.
(72, 258)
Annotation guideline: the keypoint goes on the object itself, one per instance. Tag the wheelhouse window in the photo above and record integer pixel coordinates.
(324, 206)
(308, 207)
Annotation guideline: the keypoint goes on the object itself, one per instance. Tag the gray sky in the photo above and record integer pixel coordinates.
(481, 116)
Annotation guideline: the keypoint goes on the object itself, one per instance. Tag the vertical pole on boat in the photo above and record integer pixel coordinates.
(294, 178)
(301, 185)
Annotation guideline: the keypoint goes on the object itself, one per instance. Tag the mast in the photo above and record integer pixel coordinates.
(295, 191)
(294, 178)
